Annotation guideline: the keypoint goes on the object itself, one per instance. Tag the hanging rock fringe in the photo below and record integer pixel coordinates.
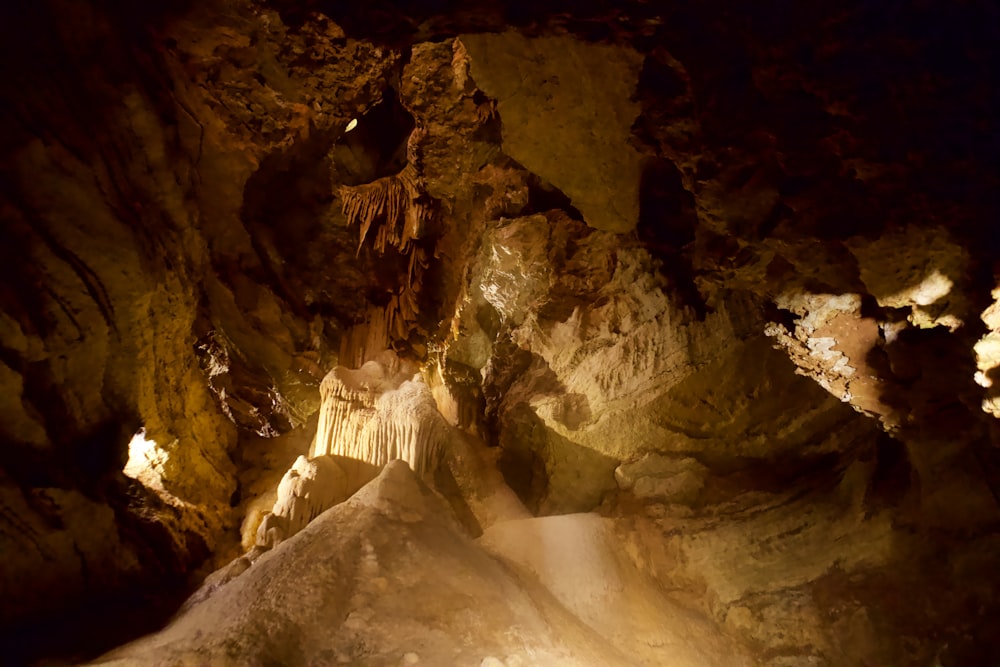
(487, 111)
(393, 211)
(396, 203)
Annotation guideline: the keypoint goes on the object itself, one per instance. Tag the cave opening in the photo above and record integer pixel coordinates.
(376, 146)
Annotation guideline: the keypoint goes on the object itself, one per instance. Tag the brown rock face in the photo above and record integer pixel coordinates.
(685, 318)
(568, 109)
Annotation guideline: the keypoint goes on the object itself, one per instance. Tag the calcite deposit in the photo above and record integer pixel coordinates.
(499, 333)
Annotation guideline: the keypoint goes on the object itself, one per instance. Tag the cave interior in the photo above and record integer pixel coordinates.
(500, 333)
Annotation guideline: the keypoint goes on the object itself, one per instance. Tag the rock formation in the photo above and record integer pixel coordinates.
(390, 578)
(499, 333)
(378, 413)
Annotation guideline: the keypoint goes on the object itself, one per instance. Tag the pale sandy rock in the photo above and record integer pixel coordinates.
(578, 559)
(266, 462)
(919, 268)
(987, 351)
(386, 574)
(567, 111)
(272, 530)
(380, 412)
(385, 411)
(309, 488)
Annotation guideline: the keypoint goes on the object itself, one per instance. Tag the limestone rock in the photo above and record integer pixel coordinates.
(385, 411)
(516, 276)
(613, 361)
(384, 575)
(437, 89)
(767, 387)
(922, 269)
(658, 477)
(988, 357)
(578, 559)
(378, 413)
(567, 111)
(309, 488)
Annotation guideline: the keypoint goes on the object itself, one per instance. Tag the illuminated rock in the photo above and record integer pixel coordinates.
(389, 574)
(309, 488)
(378, 413)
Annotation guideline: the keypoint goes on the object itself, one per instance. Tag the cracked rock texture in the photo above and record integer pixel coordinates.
(692, 340)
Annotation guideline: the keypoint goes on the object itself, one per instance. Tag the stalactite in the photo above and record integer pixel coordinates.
(396, 203)
(379, 413)
(396, 212)
(487, 111)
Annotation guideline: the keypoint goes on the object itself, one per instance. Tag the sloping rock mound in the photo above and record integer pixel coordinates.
(388, 578)
(579, 559)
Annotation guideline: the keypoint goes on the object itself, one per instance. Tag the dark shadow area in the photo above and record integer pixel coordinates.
(893, 476)
(376, 146)
(78, 623)
(929, 375)
(667, 222)
(667, 214)
(543, 196)
(84, 632)
(931, 381)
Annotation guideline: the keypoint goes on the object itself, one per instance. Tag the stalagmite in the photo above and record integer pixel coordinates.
(380, 412)
(310, 487)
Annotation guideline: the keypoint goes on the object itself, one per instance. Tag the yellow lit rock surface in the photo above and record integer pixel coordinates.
(685, 317)
(386, 575)
(571, 130)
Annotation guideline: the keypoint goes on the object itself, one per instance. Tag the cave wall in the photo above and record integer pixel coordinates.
(141, 288)
(747, 276)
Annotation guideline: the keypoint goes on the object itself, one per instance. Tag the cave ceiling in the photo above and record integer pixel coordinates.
(726, 269)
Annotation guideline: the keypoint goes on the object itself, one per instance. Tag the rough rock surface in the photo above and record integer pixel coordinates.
(568, 109)
(723, 274)
(613, 365)
(389, 578)
(378, 413)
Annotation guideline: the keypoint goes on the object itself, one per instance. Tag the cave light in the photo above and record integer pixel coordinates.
(350, 126)
(145, 456)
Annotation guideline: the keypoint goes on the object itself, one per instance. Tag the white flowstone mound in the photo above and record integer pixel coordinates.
(389, 578)
(378, 413)
(309, 488)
